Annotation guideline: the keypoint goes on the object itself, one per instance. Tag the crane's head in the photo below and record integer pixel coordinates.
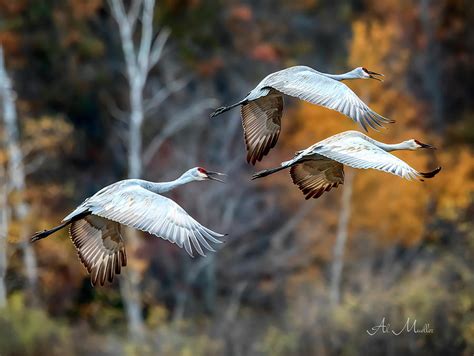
(200, 173)
(422, 145)
(414, 145)
(364, 73)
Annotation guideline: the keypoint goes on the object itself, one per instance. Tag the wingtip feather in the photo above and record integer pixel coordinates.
(430, 174)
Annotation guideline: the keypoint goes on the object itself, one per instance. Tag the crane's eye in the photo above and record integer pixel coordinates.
(365, 70)
(202, 170)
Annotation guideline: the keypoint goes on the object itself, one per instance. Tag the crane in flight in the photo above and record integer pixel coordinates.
(320, 167)
(95, 225)
(262, 108)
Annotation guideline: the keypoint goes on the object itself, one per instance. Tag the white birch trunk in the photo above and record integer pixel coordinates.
(129, 286)
(135, 133)
(341, 239)
(16, 173)
(138, 60)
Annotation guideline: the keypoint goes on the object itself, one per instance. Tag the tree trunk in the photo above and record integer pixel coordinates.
(341, 238)
(135, 130)
(16, 174)
(130, 286)
(431, 72)
(4, 210)
(130, 290)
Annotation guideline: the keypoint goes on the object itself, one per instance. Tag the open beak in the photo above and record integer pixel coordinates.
(215, 176)
(375, 75)
(425, 145)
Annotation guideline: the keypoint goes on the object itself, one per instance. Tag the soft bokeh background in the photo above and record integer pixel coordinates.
(273, 288)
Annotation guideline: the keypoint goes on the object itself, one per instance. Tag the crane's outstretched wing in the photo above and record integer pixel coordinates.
(307, 84)
(359, 153)
(316, 177)
(100, 247)
(261, 120)
(144, 210)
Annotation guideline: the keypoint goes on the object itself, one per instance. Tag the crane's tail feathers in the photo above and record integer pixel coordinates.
(430, 174)
(223, 109)
(42, 234)
(267, 172)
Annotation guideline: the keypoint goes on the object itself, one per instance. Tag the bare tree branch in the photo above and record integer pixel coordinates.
(175, 125)
(161, 95)
(146, 37)
(126, 33)
(34, 164)
(114, 110)
(158, 46)
(133, 12)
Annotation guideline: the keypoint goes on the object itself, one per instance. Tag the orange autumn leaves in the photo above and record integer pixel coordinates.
(389, 208)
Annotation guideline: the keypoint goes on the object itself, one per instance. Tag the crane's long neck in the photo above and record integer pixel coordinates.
(340, 77)
(392, 147)
(164, 187)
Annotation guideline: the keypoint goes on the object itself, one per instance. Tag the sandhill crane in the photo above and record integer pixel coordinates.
(262, 108)
(320, 167)
(95, 225)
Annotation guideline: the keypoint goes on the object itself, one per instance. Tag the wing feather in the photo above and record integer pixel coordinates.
(315, 177)
(155, 214)
(309, 85)
(261, 120)
(360, 153)
(100, 247)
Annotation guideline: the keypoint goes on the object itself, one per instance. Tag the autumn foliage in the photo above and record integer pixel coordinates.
(266, 291)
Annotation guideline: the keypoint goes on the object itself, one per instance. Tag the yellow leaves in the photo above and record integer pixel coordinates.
(311, 123)
(390, 208)
(29, 328)
(157, 316)
(377, 46)
(278, 342)
(46, 134)
(3, 161)
(453, 187)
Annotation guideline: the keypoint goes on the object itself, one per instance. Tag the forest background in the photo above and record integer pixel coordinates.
(94, 91)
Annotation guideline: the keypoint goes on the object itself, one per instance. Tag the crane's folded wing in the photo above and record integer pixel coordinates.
(144, 210)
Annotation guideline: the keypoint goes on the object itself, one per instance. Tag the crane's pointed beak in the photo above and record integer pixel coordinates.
(215, 176)
(425, 145)
(375, 75)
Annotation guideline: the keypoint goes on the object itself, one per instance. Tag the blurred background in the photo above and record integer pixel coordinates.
(92, 92)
